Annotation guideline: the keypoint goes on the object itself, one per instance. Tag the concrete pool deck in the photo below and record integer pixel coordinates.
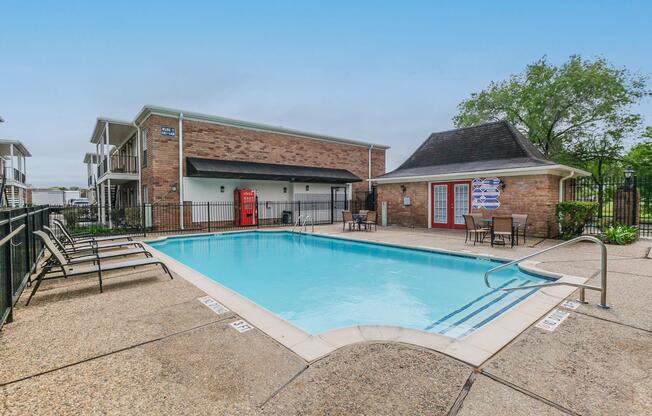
(148, 346)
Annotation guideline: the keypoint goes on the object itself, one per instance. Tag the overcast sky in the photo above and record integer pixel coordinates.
(387, 72)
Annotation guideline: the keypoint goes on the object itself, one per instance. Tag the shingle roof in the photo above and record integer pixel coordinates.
(489, 146)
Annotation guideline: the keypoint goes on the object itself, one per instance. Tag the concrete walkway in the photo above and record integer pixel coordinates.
(148, 346)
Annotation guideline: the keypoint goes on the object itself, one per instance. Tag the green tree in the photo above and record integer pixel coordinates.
(558, 107)
(639, 157)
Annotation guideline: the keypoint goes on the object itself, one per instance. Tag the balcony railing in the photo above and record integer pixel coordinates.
(124, 164)
(15, 174)
(119, 164)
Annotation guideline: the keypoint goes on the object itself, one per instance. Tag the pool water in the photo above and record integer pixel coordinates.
(321, 283)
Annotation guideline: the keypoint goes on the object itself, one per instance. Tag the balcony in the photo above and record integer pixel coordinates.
(121, 165)
(15, 175)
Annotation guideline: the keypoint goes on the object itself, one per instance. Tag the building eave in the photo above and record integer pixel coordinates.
(557, 170)
(150, 110)
(18, 145)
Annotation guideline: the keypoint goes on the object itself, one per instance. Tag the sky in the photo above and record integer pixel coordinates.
(384, 72)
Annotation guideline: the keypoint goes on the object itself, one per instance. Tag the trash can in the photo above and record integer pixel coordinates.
(287, 217)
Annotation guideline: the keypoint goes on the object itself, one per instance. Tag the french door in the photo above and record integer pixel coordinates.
(450, 201)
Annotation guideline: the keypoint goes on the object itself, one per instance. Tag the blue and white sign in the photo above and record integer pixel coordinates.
(168, 131)
(485, 193)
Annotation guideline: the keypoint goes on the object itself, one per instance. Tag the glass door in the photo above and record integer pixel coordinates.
(440, 205)
(461, 202)
(450, 202)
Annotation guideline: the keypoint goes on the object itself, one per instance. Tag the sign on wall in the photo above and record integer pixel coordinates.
(486, 193)
(168, 131)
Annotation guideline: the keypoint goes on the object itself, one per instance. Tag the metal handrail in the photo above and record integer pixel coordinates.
(297, 222)
(11, 235)
(603, 271)
(304, 224)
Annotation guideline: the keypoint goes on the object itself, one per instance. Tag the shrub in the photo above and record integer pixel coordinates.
(71, 217)
(132, 217)
(619, 234)
(573, 216)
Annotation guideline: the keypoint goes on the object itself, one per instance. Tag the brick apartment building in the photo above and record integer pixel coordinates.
(174, 156)
(490, 168)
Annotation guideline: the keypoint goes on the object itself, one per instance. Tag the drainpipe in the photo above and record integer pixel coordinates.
(140, 164)
(561, 191)
(369, 175)
(181, 170)
(561, 185)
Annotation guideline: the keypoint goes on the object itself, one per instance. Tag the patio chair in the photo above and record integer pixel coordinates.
(370, 221)
(473, 229)
(502, 227)
(363, 212)
(478, 217)
(85, 238)
(83, 254)
(347, 218)
(91, 245)
(68, 269)
(521, 219)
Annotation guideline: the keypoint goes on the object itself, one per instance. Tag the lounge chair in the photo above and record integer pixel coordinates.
(90, 245)
(370, 221)
(502, 227)
(473, 229)
(347, 218)
(69, 268)
(85, 238)
(82, 255)
(521, 219)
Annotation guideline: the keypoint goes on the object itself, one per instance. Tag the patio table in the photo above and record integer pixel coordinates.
(488, 223)
(359, 219)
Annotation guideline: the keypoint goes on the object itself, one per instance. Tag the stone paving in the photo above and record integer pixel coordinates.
(148, 346)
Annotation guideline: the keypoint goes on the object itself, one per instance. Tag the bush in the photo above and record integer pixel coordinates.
(619, 234)
(573, 216)
(132, 217)
(71, 217)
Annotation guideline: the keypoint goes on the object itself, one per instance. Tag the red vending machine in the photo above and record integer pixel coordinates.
(245, 207)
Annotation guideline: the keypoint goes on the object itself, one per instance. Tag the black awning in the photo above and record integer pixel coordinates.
(216, 168)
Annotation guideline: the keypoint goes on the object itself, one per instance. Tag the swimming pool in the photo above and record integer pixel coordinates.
(322, 283)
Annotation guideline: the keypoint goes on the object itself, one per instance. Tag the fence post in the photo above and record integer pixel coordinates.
(10, 273)
(208, 210)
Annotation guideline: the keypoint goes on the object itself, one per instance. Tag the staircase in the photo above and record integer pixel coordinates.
(480, 311)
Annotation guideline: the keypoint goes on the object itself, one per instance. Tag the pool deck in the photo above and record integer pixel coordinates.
(148, 346)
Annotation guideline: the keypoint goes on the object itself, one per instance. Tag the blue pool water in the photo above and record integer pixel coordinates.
(321, 283)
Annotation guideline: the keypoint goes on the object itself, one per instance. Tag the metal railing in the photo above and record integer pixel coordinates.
(20, 250)
(304, 224)
(603, 272)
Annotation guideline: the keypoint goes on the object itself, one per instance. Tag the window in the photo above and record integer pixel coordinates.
(145, 195)
(144, 140)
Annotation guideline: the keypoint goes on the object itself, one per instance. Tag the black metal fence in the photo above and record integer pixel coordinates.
(19, 252)
(621, 201)
(202, 216)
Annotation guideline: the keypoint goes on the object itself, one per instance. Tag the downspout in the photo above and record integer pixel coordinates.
(369, 175)
(181, 211)
(561, 191)
(140, 164)
(561, 185)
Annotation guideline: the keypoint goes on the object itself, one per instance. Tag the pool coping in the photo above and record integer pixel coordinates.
(473, 349)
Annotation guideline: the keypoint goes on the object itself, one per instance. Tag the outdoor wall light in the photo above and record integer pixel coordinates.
(628, 172)
(285, 190)
(173, 187)
(222, 188)
(502, 185)
(307, 188)
(403, 188)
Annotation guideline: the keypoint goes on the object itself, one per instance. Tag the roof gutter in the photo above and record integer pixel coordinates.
(534, 170)
(561, 185)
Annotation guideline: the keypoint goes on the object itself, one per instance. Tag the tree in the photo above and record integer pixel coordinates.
(558, 107)
(639, 157)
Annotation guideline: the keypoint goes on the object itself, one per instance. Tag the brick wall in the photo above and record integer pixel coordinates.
(535, 195)
(415, 215)
(231, 143)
